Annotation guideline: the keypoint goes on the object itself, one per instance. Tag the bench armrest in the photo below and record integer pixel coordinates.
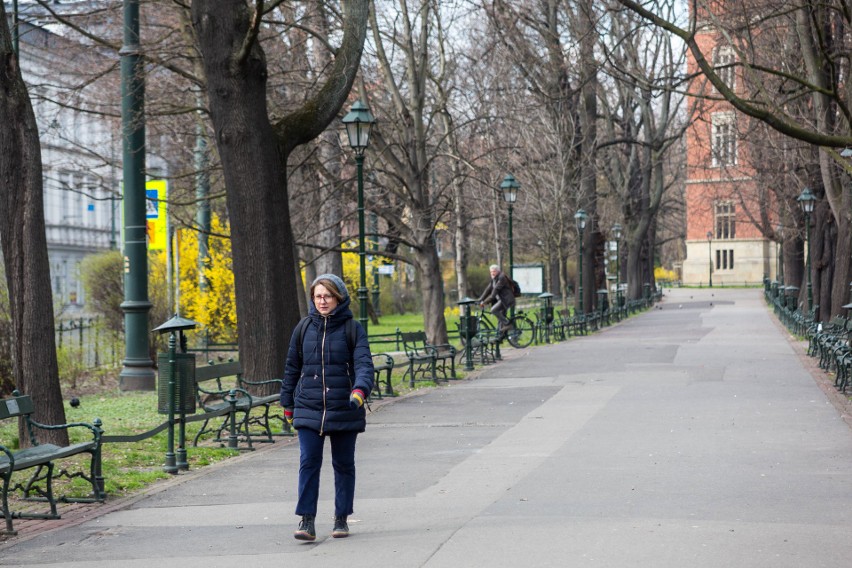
(260, 383)
(413, 350)
(8, 452)
(388, 360)
(442, 348)
(95, 427)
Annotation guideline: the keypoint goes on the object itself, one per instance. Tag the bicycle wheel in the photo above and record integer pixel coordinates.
(523, 332)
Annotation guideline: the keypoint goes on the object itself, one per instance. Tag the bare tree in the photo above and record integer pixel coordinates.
(643, 122)
(407, 142)
(254, 148)
(24, 244)
(552, 46)
(793, 59)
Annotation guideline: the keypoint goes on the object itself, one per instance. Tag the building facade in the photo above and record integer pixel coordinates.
(724, 246)
(80, 143)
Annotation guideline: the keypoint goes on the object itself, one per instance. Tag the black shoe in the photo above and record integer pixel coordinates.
(306, 529)
(341, 529)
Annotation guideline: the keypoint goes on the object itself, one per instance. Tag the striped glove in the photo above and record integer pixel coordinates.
(356, 399)
(288, 416)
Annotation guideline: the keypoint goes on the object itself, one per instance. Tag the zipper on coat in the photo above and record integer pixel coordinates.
(322, 366)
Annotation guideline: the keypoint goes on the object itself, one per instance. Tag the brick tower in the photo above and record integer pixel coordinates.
(722, 244)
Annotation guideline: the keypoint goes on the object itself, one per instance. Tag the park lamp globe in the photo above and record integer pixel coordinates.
(359, 123)
(581, 217)
(510, 188)
(616, 231)
(806, 201)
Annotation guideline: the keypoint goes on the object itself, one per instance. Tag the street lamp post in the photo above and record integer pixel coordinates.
(780, 255)
(374, 228)
(806, 200)
(510, 187)
(359, 122)
(710, 254)
(581, 217)
(616, 232)
(137, 371)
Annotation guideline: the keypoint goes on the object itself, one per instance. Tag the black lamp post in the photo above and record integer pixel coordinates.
(806, 200)
(780, 255)
(137, 371)
(359, 122)
(581, 217)
(616, 233)
(374, 228)
(510, 187)
(710, 254)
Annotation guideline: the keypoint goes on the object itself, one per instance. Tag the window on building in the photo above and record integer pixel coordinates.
(726, 224)
(64, 184)
(723, 61)
(724, 140)
(724, 259)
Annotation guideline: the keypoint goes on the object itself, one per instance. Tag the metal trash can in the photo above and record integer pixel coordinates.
(184, 383)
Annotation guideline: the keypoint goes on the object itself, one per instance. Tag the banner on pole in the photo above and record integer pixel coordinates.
(156, 193)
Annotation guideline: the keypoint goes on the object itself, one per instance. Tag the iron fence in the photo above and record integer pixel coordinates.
(88, 340)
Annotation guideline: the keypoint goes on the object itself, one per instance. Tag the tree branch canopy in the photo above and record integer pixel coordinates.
(317, 113)
(780, 122)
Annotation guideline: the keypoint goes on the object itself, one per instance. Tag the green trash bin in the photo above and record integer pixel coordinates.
(184, 383)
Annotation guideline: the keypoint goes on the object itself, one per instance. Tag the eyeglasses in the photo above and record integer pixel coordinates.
(324, 299)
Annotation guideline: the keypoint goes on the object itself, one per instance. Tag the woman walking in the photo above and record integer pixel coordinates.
(328, 376)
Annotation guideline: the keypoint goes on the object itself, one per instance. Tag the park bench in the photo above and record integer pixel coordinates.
(426, 358)
(215, 383)
(42, 457)
(577, 324)
(484, 345)
(824, 339)
(382, 364)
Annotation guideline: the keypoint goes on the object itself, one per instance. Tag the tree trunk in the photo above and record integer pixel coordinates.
(462, 238)
(254, 157)
(22, 236)
(432, 293)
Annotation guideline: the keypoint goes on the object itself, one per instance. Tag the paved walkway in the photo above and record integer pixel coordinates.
(696, 434)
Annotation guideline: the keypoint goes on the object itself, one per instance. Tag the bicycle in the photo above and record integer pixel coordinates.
(521, 329)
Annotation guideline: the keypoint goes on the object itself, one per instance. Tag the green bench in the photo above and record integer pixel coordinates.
(427, 360)
(41, 457)
(577, 324)
(215, 383)
(382, 364)
(484, 345)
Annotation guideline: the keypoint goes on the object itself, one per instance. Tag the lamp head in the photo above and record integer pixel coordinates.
(806, 201)
(359, 122)
(581, 217)
(616, 231)
(510, 187)
(709, 235)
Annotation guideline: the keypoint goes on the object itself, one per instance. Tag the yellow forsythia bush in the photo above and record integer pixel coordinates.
(215, 308)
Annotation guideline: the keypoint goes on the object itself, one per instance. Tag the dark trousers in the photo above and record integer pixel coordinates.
(310, 464)
(499, 310)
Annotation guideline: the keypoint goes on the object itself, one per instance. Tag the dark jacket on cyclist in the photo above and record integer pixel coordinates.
(500, 288)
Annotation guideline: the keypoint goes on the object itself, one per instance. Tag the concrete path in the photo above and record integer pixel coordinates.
(694, 435)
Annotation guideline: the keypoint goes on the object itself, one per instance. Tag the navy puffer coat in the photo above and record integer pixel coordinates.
(318, 388)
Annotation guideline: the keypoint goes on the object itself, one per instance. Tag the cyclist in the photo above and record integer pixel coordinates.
(499, 295)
